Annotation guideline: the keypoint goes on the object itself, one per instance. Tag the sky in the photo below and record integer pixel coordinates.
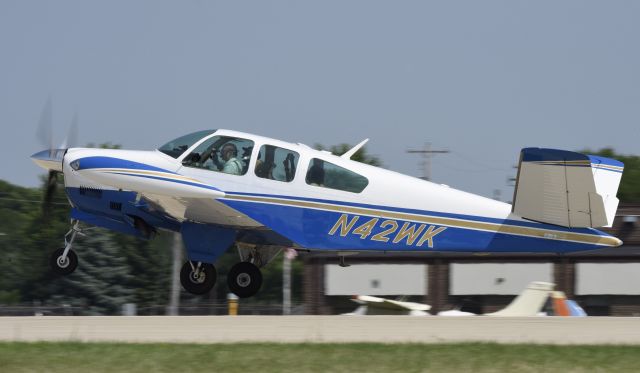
(482, 79)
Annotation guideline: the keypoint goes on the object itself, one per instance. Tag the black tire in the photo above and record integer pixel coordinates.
(244, 279)
(65, 267)
(198, 285)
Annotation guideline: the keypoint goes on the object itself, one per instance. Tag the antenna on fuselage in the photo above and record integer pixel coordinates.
(353, 150)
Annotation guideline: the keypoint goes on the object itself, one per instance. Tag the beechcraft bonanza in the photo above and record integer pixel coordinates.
(222, 188)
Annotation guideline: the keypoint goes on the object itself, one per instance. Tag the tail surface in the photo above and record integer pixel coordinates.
(529, 302)
(567, 188)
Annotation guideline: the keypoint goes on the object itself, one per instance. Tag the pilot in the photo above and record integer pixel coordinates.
(231, 164)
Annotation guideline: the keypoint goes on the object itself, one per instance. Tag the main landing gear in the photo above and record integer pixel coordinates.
(197, 277)
(244, 279)
(64, 261)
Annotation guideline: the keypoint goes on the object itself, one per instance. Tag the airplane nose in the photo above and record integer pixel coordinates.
(50, 159)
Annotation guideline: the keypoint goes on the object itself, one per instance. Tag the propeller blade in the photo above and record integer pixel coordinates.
(45, 125)
(49, 192)
(72, 136)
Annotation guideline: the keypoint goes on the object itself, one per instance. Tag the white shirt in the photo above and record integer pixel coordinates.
(233, 166)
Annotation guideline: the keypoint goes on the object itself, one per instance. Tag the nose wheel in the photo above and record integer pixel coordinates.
(64, 261)
(198, 278)
(63, 264)
(244, 279)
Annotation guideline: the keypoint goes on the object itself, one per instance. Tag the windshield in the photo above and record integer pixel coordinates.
(175, 148)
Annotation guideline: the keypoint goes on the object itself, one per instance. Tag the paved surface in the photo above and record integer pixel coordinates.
(387, 329)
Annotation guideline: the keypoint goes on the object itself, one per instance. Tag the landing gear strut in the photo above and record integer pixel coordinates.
(64, 261)
(198, 278)
(244, 279)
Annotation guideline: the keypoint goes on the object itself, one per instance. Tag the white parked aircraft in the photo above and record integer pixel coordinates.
(381, 306)
(528, 303)
(220, 188)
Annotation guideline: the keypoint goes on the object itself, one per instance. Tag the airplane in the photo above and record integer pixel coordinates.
(369, 305)
(561, 306)
(223, 188)
(529, 302)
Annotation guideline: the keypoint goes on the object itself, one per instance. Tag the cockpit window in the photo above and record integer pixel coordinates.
(230, 155)
(175, 148)
(328, 175)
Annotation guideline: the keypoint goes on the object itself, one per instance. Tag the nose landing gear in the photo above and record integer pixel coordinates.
(64, 261)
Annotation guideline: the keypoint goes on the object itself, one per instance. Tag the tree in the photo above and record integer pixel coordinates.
(42, 234)
(361, 155)
(17, 208)
(100, 284)
(148, 264)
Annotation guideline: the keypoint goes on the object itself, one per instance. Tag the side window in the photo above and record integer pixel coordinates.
(328, 175)
(230, 155)
(276, 163)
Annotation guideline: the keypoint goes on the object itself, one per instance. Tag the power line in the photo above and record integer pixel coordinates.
(31, 201)
(10, 194)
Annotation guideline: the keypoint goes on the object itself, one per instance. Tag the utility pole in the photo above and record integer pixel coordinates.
(174, 296)
(426, 152)
(289, 255)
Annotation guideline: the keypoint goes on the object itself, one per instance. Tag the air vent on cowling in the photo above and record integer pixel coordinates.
(90, 192)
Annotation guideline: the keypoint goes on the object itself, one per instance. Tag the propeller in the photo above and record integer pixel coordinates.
(45, 136)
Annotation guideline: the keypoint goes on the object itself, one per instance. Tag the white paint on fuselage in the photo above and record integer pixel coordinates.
(385, 188)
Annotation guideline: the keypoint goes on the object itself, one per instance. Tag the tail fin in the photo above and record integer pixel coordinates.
(560, 306)
(566, 188)
(529, 302)
(565, 307)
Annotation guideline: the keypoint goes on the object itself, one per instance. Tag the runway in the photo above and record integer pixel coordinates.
(382, 329)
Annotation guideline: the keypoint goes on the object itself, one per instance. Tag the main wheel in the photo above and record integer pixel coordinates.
(244, 279)
(200, 281)
(66, 266)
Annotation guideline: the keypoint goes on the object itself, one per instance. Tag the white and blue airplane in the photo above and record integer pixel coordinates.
(223, 188)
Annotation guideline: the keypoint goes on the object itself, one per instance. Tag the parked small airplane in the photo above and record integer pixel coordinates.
(531, 302)
(381, 306)
(561, 306)
(221, 188)
(528, 303)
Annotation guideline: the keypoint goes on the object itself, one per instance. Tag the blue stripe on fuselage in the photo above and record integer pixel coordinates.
(430, 213)
(112, 162)
(167, 179)
(311, 228)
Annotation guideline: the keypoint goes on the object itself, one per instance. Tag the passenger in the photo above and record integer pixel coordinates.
(315, 175)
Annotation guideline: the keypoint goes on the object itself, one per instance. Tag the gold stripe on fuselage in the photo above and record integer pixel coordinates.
(151, 173)
(443, 221)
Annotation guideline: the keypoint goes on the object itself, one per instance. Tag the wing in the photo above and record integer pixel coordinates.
(201, 210)
(392, 304)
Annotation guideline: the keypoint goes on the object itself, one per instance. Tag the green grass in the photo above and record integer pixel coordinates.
(267, 357)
